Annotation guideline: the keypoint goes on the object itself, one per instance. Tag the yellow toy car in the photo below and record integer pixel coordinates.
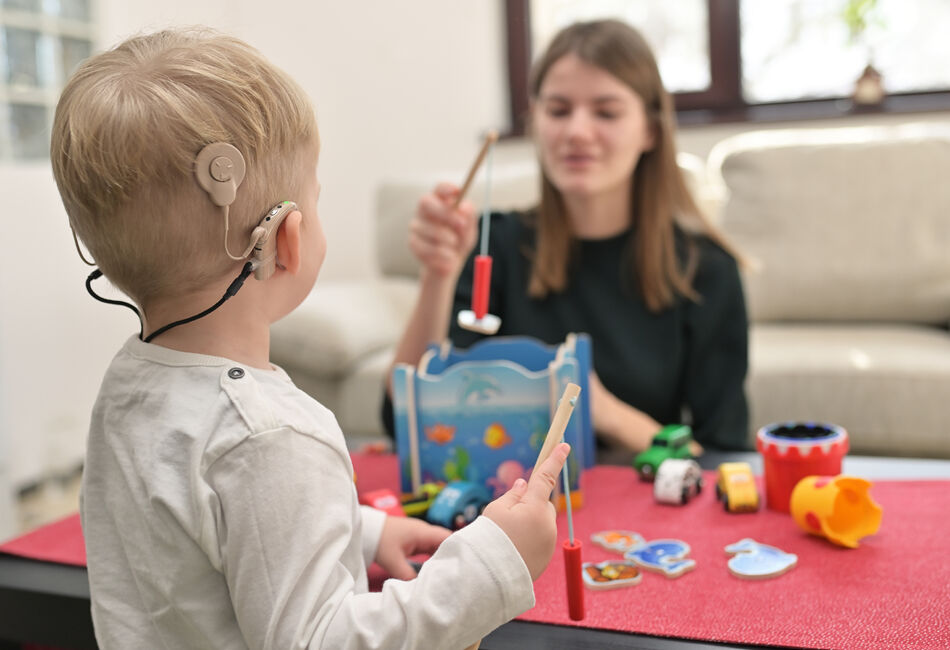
(735, 487)
(417, 505)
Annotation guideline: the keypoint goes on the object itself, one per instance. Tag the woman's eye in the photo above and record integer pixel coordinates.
(608, 115)
(558, 111)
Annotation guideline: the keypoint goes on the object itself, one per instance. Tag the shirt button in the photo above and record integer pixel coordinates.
(236, 373)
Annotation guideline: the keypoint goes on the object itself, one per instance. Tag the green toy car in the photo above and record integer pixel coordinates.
(672, 441)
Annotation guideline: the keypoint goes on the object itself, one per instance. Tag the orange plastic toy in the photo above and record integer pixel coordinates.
(838, 508)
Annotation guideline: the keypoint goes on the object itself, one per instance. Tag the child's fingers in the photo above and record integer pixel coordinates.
(429, 538)
(543, 480)
(513, 496)
(400, 569)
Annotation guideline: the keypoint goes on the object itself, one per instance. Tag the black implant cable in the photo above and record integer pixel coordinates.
(95, 275)
(232, 289)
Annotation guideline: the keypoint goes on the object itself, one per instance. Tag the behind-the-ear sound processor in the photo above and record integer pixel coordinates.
(220, 170)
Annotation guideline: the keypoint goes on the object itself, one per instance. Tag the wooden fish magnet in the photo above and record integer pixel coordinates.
(754, 561)
(611, 574)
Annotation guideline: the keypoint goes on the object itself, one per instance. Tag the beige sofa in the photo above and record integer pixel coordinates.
(850, 304)
(849, 290)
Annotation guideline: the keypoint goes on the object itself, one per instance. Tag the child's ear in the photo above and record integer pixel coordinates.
(288, 243)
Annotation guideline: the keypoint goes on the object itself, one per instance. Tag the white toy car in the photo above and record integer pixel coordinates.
(677, 481)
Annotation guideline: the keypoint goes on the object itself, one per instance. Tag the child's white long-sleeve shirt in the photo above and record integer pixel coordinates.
(219, 511)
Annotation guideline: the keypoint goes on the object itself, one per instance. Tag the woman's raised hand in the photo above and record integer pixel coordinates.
(442, 234)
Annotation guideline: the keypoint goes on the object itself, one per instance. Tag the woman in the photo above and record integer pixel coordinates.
(616, 248)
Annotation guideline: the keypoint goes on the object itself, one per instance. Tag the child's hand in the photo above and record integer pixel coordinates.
(440, 237)
(527, 515)
(404, 537)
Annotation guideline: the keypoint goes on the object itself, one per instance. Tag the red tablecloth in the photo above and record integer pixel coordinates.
(59, 542)
(891, 592)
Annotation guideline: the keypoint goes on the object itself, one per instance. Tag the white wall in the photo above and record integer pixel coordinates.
(397, 86)
(55, 341)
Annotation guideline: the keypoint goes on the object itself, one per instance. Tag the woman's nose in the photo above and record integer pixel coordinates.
(579, 125)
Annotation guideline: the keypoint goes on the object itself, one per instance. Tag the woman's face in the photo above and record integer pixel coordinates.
(590, 127)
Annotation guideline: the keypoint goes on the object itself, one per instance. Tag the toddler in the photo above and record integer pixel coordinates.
(218, 503)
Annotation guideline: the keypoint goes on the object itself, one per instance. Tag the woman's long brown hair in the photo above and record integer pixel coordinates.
(660, 195)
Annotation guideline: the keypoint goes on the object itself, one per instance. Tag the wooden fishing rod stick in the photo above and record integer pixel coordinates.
(565, 407)
(490, 139)
(555, 433)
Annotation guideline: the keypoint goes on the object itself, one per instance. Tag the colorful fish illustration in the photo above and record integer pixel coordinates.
(440, 434)
(508, 472)
(495, 436)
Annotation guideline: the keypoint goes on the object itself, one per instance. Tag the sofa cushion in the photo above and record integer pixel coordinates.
(339, 323)
(886, 385)
(515, 186)
(843, 224)
(361, 395)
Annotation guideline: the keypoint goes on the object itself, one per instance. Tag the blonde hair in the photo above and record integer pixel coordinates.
(128, 126)
(660, 195)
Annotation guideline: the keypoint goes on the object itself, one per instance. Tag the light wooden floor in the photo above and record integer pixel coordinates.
(48, 501)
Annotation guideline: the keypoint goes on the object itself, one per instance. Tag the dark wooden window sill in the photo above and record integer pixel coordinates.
(816, 110)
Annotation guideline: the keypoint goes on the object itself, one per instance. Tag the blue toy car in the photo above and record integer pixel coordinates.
(459, 503)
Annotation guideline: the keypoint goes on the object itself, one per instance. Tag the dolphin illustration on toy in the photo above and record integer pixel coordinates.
(478, 388)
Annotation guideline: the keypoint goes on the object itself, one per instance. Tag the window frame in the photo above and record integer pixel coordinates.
(47, 25)
(723, 101)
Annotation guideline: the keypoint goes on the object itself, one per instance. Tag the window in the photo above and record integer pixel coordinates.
(41, 43)
(677, 31)
(733, 60)
(804, 49)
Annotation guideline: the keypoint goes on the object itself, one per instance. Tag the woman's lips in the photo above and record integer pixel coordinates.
(577, 160)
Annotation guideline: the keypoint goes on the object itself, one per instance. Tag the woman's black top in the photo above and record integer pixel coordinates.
(685, 364)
